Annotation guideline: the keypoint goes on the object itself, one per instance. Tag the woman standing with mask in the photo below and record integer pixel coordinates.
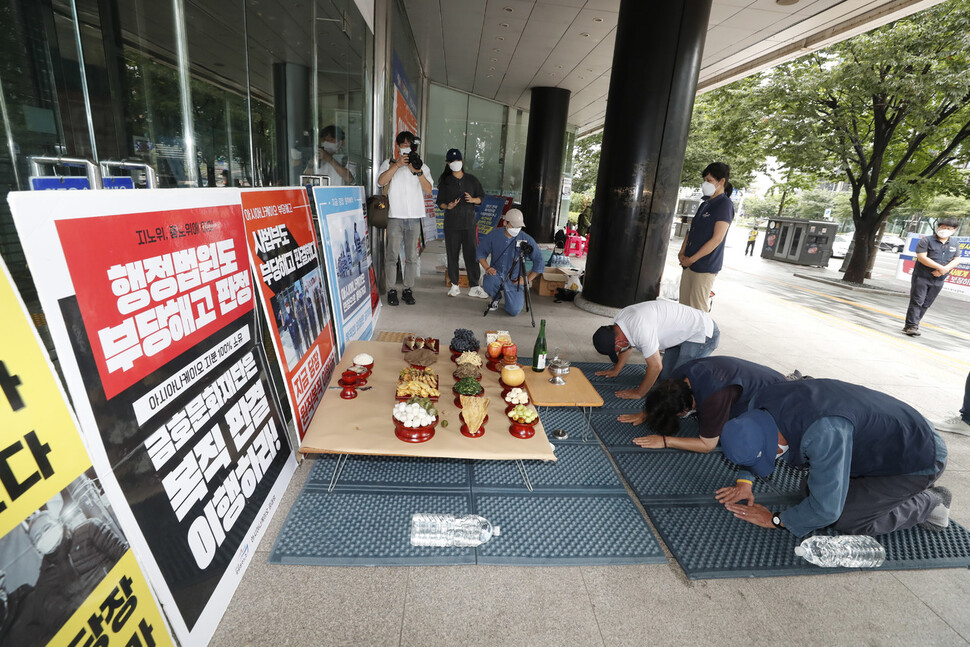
(458, 193)
(702, 253)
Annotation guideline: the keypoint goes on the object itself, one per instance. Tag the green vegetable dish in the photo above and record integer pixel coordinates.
(468, 386)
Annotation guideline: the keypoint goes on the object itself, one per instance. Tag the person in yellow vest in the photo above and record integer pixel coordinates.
(752, 237)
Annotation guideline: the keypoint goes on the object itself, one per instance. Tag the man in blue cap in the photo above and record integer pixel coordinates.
(873, 460)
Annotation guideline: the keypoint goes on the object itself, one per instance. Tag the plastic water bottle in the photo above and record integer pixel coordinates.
(852, 551)
(429, 529)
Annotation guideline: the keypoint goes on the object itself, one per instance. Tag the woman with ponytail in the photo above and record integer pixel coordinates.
(702, 253)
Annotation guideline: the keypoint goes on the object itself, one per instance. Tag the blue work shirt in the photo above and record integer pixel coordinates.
(503, 252)
(719, 209)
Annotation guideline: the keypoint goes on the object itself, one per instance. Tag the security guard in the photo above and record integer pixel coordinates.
(936, 255)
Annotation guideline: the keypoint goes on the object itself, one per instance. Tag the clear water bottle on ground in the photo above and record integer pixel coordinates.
(852, 551)
(429, 529)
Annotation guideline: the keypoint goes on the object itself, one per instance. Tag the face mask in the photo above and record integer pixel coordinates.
(707, 189)
(405, 151)
(330, 147)
(945, 233)
(513, 231)
(455, 166)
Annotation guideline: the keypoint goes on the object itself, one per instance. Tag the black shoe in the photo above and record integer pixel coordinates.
(407, 297)
(912, 331)
(392, 298)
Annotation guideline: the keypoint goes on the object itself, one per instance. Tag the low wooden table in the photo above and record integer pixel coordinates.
(364, 425)
(576, 392)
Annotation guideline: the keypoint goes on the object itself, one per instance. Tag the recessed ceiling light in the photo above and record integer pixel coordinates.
(508, 9)
(581, 78)
(786, 3)
(500, 38)
(559, 67)
(589, 69)
(490, 75)
(503, 24)
(493, 59)
(597, 20)
(496, 50)
(491, 69)
(585, 34)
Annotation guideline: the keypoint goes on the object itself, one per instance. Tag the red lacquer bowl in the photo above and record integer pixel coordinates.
(414, 434)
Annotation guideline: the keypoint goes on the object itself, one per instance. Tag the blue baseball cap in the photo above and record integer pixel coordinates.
(751, 440)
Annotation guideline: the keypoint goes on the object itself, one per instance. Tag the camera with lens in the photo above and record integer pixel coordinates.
(413, 158)
(525, 247)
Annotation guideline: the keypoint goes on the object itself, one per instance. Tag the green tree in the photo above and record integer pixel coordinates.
(947, 206)
(813, 203)
(586, 163)
(761, 208)
(889, 111)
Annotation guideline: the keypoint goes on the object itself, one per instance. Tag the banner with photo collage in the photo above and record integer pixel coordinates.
(346, 252)
(67, 573)
(283, 251)
(149, 299)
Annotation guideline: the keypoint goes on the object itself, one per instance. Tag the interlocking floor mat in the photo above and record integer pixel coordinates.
(709, 542)
(579, 468)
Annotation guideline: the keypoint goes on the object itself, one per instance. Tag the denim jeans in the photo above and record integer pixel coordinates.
(407, 230)
(683, 353)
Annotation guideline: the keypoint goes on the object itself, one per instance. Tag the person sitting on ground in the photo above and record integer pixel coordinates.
(717, 388)
(683, 333)
(458, 194)
(873, 460)
(498, 254)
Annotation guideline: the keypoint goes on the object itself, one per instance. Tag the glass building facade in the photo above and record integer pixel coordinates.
(237, 93)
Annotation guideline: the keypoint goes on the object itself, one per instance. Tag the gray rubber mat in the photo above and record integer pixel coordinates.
(631, 374)
(391, 472)
(709, 542)
(569, 419)
(578, 468)
(364, 529)
(613, 403)
(562, 530)
(663, 476)
(614, 433)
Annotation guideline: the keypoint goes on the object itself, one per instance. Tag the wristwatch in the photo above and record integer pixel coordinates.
(776, 520)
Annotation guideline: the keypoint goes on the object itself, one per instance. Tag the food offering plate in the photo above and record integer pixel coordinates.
(458, 395)
(433, 398)
(523, 430)
(414, 434)
(429, 342)
(455, 375)
(464, 428)
(349, 391)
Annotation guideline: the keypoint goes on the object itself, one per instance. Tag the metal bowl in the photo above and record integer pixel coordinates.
(558, 368)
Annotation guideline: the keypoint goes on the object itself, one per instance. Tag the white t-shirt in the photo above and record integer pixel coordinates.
(657, 325)
(326, 168)
(404, 195)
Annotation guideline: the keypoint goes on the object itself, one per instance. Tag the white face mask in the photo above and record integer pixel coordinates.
(330, 147)
(405, 151)
(945, 233)
(708, 189)
(513, 231)
(455, 166)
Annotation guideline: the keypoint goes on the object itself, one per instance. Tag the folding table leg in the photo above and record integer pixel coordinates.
(337, 470)
(587, 414)
(524, 474)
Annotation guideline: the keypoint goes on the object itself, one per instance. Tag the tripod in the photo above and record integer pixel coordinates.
(517, 264)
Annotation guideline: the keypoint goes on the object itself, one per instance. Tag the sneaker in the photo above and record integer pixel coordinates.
(392, 298)
(478, 292)
(407, 297)
(494, 306)
(912, 331)
(939, 518)
(955, 425)
(454, 291)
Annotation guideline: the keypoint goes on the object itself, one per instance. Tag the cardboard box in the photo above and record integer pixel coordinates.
(550, 280)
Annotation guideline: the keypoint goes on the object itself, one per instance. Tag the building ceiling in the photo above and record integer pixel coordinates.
(498, 49)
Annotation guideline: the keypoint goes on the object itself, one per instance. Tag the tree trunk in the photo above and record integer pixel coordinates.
(859, 263)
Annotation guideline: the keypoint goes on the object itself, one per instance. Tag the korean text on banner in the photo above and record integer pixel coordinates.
(346, 250)
(149, 299)
(283, 251)
(957, 281)
(58, 537)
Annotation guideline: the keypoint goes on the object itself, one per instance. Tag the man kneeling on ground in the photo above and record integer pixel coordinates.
(873, 460)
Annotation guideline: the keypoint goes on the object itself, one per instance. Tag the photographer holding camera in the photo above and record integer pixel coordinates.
(501, 272)
(410, 180)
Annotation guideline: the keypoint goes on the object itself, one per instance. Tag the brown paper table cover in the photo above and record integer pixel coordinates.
(365, 425)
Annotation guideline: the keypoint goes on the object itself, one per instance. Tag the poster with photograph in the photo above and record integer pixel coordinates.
(150, 303)
(346, 250)
(67, 574)
(283, 253)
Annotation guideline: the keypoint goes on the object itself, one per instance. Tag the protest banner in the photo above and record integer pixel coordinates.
(283, 252)
(67, 574)
(149, 300)
(346, 251)
(957, 281)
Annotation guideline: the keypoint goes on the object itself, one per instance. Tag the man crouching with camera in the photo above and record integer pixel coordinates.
(498, 253)
(410, 181)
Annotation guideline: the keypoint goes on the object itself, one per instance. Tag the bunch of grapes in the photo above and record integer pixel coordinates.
(464, 340)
